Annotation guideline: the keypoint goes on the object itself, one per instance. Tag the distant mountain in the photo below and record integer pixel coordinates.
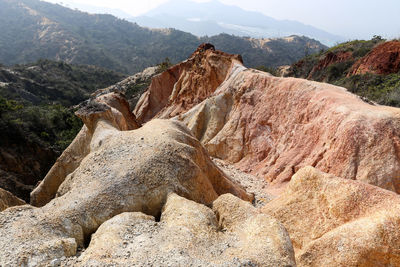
(33, 29)
(93, 9)
(269, 52)
(213, 18)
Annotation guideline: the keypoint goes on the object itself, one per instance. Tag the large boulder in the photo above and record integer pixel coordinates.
(190, 234)
(339, 222)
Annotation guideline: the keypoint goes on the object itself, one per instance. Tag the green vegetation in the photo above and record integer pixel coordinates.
(103, 40)
(46, 82)
(51, 126)
(270, 70)
(382, 89)
(35, 101)
(163, 66)
(8, 106)
(283, 51)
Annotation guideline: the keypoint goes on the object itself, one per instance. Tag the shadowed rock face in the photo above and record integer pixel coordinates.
(189, 234)
(9, 200)
(105, 172)
(339, 222)
(271, 127)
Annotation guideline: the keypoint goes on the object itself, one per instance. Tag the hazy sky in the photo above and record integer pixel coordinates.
(349, 18)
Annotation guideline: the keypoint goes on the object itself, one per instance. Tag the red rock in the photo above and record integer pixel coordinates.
(271, 127)
(185, 85)
(383, 59)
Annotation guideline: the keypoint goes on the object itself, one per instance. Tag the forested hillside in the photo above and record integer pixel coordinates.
(37, 121)
(32, 30)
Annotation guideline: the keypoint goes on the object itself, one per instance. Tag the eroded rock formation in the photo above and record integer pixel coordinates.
(272, 126)
(111, 107)
(150, 194)
(189, 234)
(107, 172)
(330, 59)
(185, 85)
(339, 222)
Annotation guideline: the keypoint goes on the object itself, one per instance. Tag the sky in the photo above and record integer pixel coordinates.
(353, 19)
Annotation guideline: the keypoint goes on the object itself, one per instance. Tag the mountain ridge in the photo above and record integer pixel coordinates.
(214, 17)
(34, 29)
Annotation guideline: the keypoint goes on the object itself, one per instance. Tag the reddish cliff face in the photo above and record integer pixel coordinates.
(271, 127)
(329, 59)
(383, 59)
(185, 85)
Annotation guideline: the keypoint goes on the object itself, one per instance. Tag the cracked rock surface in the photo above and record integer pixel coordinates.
(232, 233)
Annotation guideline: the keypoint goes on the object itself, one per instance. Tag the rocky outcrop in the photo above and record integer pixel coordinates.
(190, 234)
(111, 107)
(339, 222)
(185, 85)
(123, 171)
(271, 127)
(133, 86)
(9, 200)
(383, 59)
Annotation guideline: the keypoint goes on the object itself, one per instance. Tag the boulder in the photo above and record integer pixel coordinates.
(191, 234)
(338, 222)
(9, 200)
